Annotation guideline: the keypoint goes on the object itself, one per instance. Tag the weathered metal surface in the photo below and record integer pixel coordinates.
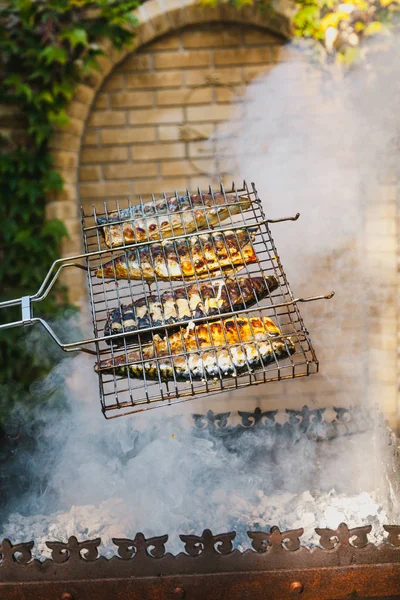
(334, 583)
(305, 421)
(345, 565)
(205, 554)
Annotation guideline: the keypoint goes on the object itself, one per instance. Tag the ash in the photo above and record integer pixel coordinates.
(287, 510)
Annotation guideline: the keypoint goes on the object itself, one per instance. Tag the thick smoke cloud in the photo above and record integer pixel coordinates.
(314, 144)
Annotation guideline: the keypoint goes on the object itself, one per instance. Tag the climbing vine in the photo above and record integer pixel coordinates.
(46, 48)
(337, 27)
(341, 27)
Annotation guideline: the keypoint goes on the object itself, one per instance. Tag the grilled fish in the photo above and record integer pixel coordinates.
(192, 302)
(192, 257)
(221, 349)
(168, 217)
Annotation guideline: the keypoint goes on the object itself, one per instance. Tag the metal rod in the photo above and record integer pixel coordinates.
(257, 258)
(203, 319)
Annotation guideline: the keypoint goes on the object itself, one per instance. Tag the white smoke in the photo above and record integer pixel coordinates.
(313, 144)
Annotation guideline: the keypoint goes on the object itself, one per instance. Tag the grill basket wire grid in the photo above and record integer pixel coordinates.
(121, 396)
(124, 395)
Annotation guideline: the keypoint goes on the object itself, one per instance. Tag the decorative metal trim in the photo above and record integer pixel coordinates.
(207, 553)
(310, 422)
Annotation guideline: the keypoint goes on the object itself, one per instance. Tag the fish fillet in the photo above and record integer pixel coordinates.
(224, 348)
(193, 302)
(168, 217)
(196, 256)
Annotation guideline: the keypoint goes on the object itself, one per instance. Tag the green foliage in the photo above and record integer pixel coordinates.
(46, 48)
(336, 26)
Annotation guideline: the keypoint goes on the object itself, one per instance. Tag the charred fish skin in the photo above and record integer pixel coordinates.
(206, 366)
(222, 349)
(172, 216)
(193, 302)
(191, 258)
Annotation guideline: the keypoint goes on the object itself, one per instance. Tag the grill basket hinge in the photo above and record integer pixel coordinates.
(26, 310)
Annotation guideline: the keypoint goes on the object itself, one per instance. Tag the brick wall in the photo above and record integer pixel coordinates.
(155, 126)
(155, 119)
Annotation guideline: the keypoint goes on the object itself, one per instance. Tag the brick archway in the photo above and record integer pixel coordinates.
(156, 19)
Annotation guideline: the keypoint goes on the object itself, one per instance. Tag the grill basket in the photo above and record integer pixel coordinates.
(122, 395)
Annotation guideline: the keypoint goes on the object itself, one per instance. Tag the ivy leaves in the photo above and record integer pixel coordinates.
(338, 26)
(48, 45)
(46, 48)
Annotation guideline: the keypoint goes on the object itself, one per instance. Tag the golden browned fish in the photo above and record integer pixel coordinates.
(183, 303)
(196, 256)
(224, 348)
(168, 217)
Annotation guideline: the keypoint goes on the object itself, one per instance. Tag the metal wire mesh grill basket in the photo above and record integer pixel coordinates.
(173, 343)
(135, 386)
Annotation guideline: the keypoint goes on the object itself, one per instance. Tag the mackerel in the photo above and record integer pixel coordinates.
(189, 258)
(225, 348)
(172, 216)
(182, 304)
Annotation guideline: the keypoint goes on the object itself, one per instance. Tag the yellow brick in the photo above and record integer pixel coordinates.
(131, 99)
(89, 173)
(107, 118)
(129, 171)
(378, 226)
(90, 138)
(287, 54)
(387, 194)
(87, 205)
(160, 24)
(100, 155)
(62, 159)
(159, 186)
(167, 42)
(60, 210)
(77, 110)
(137, 62)
(173, 60)
(64, 141)
(153, 80)
(9, 110)
(84, 94)
(202, 76)
(177, 97)
(184, 167)
(251, 73)
(210, 39)
(157, 152)
(113, 83)
(256, 37)
(169, 133)
(69, 176)
(101, 101)
(377, 341)
(156, 115)
(243, 56)
(227, 95)
(101, 190)
(382, 244)
(209, 113)
(67, 194)
(384, 209)
(73, 127)
(203, 182)
(384, 395)
(201, 149)
(124, 135)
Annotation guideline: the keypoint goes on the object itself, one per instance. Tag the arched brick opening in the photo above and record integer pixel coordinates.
(159, 26)
(156, 19)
